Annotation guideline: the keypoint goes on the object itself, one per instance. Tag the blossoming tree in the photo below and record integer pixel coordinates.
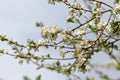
(97, 29)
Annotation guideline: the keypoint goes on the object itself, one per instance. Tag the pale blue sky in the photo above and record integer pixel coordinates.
(17, 20)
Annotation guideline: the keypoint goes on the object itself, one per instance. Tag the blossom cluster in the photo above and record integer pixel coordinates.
(50, 32)
(116, 8)
(53, 1)
(116, 11)
(74, 14)
(113, 29)
(3, 51)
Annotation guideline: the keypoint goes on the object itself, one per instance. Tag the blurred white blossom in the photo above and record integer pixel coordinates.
(113, 31)
(49, 32)
(42, 42)
(116, 8)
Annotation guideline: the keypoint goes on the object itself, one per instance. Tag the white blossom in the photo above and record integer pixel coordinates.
(116, 8)
(101, 24)
(113, 31)
(49, 32)
(78, 48)
(77, 5)
(118, 17)
(65, 33)
(54, 29)
(80, 32)
(42, 42)
(81, 59)
(4, 51)
(44, 31)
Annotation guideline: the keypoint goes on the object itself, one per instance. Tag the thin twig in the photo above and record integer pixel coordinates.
(83, 24)
(101, 3)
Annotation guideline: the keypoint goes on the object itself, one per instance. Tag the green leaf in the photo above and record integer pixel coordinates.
(118, 67)
(105, 77)
(70, 19)
(92, 78)
(48, 55)
(114, 25)
(58, 63)
(115, 47)
(51, 67)
(26, 78)
(42, 58)
(39, 24)
(93, 15)
(77, 20)
(2, 38)
(117, 1)
(38, 77)
(67, 71)
(71, 40)
(94, 29)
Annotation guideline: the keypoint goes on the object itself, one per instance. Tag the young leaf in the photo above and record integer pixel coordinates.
(38, 77)
(26, 78)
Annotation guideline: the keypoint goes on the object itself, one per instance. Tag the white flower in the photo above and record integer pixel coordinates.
(64, 34)
(81, 59)
(108, 28)
(116, 8)
(49, 32)
(64, 37)
(92, 23)
(80, 32)
(42, 42)
(78, 49)
(101, 24)
(5, 51)
(44, 31)
(54, 29)
(71, 10)
(97, 12)
(113, 32)
(77, 5)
